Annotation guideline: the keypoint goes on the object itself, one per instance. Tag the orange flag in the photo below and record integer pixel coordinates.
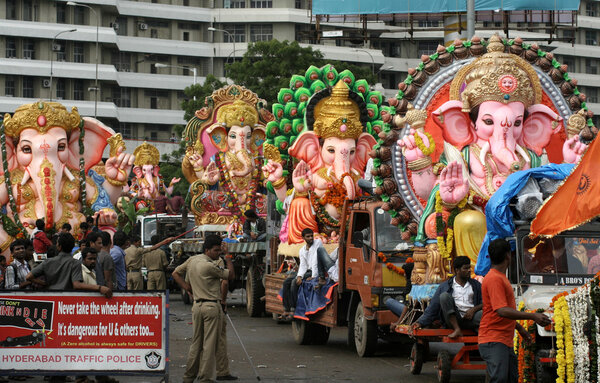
(576, 201)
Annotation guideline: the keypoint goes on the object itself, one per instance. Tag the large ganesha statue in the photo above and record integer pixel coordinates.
(328, 157)
(474, 122)
(224, 156)
(148, 183)
(51, 169)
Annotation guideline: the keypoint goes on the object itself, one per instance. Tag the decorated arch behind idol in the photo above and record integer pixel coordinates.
(466, 118)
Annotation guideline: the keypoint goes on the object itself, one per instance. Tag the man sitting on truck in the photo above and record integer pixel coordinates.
(255, 228)
(457, 301)
(307, 269)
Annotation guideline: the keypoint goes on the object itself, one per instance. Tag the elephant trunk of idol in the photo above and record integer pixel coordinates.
(47, 181)
(503, 145)
(342, 169)
(150, 179)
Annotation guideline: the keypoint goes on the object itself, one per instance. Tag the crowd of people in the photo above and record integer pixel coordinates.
(114, 262)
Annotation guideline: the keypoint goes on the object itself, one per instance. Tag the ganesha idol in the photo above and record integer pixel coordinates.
(148, 183)
(224, 156)
(332, 154)
(491, 120)
(46, 173)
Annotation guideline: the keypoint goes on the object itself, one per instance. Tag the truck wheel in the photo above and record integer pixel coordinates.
(416, 358)
(544, 374)
(444, 366)
(365, 333)
(301, 332)
(319, 333)
(255, 291)
(350, 340)
(185, 297)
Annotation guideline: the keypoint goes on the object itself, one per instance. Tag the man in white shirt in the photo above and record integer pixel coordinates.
(457, 301)
(307, 270)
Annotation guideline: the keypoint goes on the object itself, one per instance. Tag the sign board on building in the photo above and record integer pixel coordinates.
(77, 331)
(333, 33)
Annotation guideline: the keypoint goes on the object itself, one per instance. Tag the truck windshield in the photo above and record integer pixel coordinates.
(561, 255)
(169, 228)
(388, 237)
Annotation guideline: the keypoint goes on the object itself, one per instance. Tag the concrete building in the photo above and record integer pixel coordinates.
(50, 51)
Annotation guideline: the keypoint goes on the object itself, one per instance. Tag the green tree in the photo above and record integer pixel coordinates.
(267, 66)
(200, 91)
(170, 164)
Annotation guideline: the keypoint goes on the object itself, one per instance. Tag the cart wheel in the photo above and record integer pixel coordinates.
(444, 366)
(416, 358)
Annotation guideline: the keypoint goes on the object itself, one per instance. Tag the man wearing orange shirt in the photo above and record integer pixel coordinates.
(497, 327)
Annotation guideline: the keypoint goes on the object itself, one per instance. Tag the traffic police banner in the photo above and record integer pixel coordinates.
(82, 332)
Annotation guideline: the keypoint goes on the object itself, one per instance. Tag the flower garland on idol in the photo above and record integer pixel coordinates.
(232, 196)
(445, 246)
(13, 228)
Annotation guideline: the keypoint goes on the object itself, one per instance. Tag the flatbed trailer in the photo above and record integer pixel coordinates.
(463, 360)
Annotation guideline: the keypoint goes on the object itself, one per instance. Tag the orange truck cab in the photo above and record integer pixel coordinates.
(365, 281)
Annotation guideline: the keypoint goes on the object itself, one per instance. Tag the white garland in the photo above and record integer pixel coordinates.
(578, 304)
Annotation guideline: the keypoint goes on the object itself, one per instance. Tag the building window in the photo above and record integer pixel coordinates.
(120, 26)
(261, 32)
(79, 15)
(591, 94)
(186, 36)
(298, 4)
(154, 33)
(234, 4)
(590, 38)
(61, 13)
(261, 3)
(59, 48)
(78, 90)
(9, 86)
(11, 48)
(121, 61)
(28, 87)
(186, 3)
(78, 52)
(591, 66)
(28, 49)
(590, 9)
(429, 23)
(60, 89)
(11, 10)
(236, 31)
(427, 47)
(125, 130)
(122, 97)
(27, 10)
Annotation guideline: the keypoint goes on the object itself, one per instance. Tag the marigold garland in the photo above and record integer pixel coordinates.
(421, 145)
(445, 247)
(383, 258)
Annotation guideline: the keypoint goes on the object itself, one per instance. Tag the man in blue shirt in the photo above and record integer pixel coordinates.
(118, 255)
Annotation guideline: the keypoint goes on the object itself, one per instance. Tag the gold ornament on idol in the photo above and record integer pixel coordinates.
(116, 142)
(337, 115)
(496, 76)
(237, 114)
(41, 116)
(146, 154)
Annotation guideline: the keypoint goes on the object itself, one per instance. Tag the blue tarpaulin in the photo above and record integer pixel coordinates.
(355, 7)
(499, 217)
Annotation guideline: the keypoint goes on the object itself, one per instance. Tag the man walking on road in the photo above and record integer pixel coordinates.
(118, 255)
(205, 286)
(497, 327)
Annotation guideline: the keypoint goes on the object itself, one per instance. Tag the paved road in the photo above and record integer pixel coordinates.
(278, 359)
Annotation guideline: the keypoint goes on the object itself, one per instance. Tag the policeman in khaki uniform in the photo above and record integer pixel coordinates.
(133, 262)
(205, 278)
(156, 262)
